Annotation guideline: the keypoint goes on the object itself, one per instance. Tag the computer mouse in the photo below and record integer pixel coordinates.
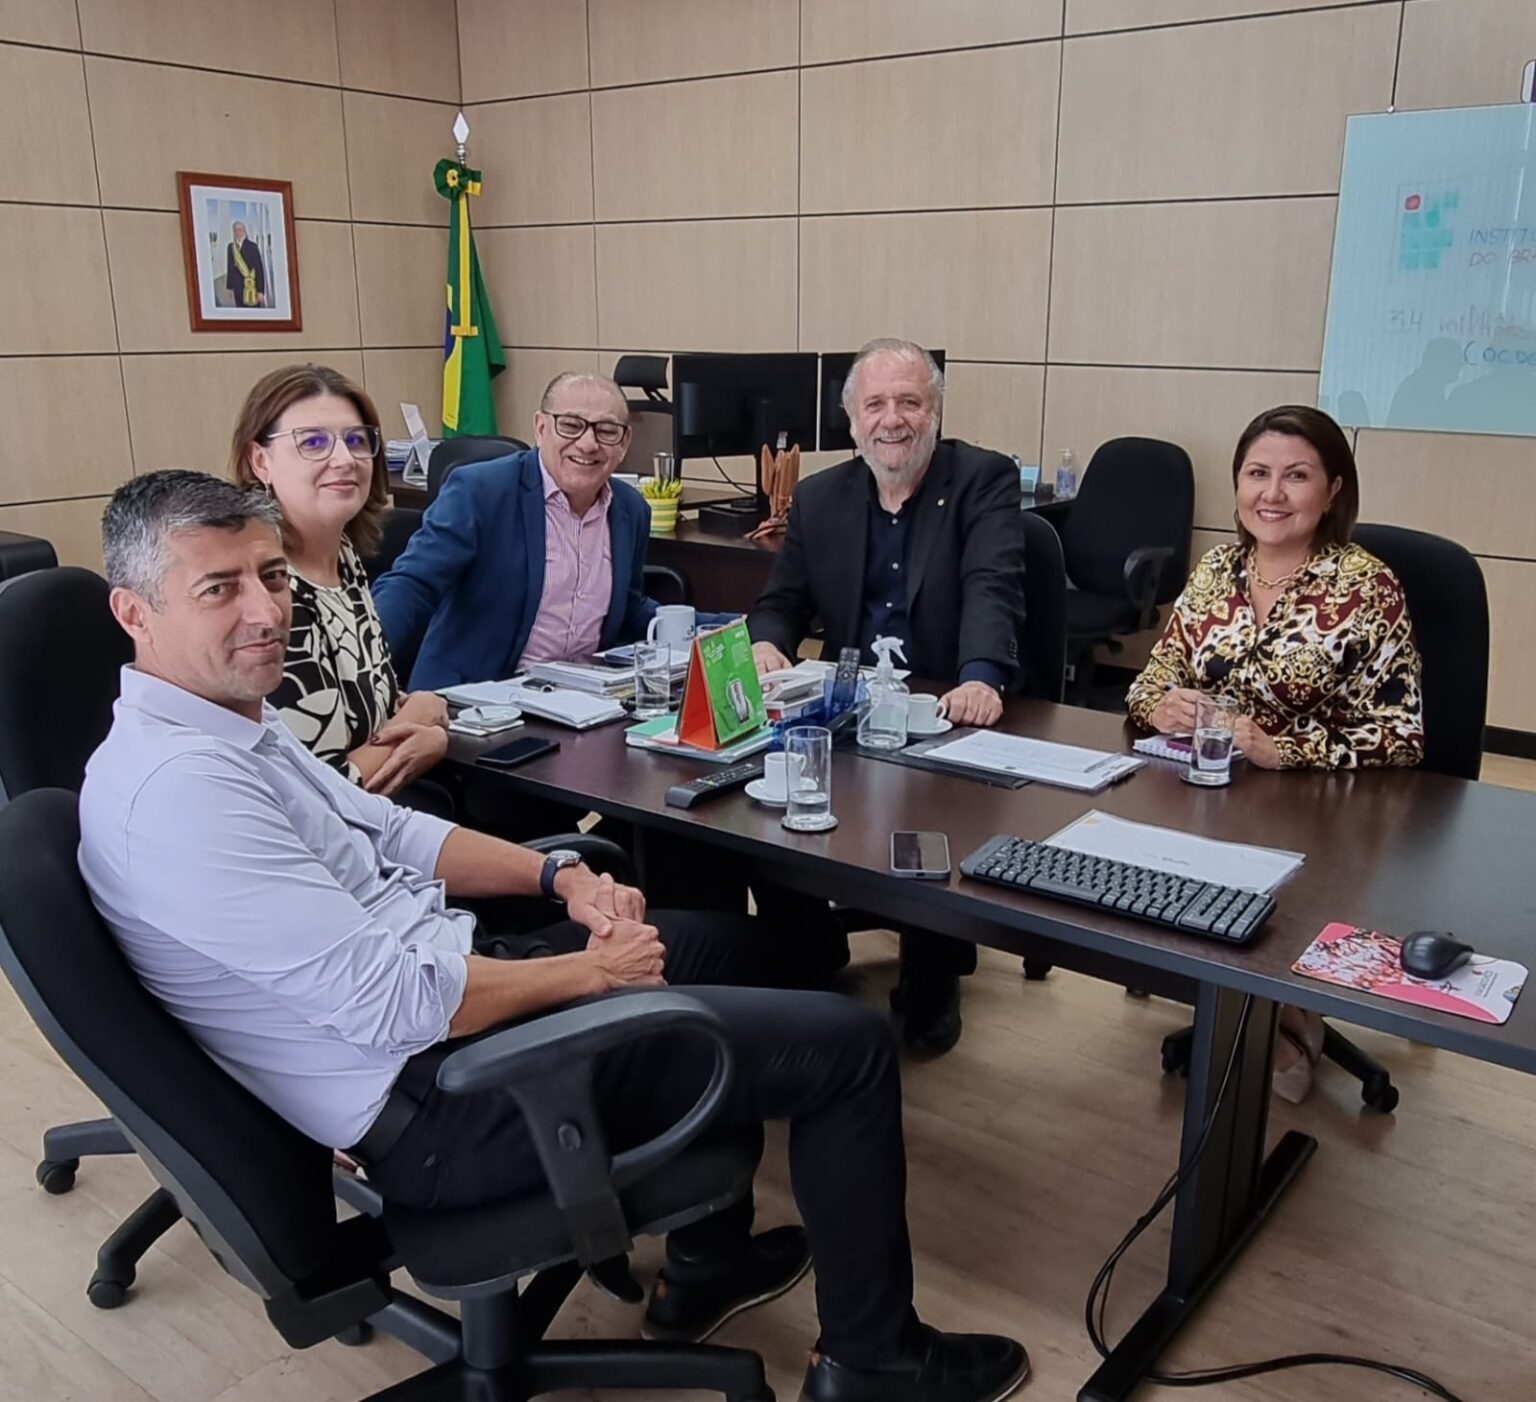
(1433, 954)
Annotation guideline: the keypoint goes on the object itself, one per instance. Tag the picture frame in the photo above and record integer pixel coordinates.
(249, 283)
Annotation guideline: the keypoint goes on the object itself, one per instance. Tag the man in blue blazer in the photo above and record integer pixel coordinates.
(536, 556)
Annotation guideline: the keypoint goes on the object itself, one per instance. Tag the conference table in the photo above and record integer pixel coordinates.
(1393, 850)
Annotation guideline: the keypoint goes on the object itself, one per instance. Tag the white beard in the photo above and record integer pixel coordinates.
(912, 464)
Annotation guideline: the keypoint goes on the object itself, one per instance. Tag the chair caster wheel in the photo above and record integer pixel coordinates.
(1380, 1096)
(107, 1294)
(1175, 1057)
(355, 1335)
(1036, 970)
(57, 1176)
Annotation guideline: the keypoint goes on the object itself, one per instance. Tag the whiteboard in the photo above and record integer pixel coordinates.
(1432, 300)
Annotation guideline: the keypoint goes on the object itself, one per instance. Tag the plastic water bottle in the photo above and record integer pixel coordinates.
(1066, 476)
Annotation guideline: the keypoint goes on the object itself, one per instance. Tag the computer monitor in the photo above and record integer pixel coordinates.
(834, 433)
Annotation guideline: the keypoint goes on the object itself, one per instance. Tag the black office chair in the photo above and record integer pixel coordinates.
(21, 554)
(1448, 602)
(453, 453)
(650, 412)
(1126, 542)
(260, 1194)
(400, 524)
(1043, 640)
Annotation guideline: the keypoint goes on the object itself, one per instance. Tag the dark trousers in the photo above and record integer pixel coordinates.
(818, 1060)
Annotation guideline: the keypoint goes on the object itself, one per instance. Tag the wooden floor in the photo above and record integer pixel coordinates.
(1033, 1146)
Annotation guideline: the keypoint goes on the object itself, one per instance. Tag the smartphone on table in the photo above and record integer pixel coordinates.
(924, 856)
(518, 752)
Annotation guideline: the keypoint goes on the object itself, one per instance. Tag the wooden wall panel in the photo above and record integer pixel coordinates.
(648, 41)
(64, 429)
(834, 30)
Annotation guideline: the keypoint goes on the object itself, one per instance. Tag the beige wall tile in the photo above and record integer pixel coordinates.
(872, 141)
(73, 527)
(1203, 411)
(412, 376)
(1512, 639)
(512, 48)
(64, 430)
(1211, 137)
(1088, 16)
(520, 386)
(69, 312)
(1471, 487)
(1235, 285)
(841, 29)
(401, 284)
(720, 146)
(291, 39)
(542, 285)
(40, 22)
(739, 277)
(1464, 52)
(997, 406)
(406, 47)
(646, 41)
(151, 122)
(536, 155)
(392, 146)
(182, 408)
(149, 288)
(973, 283)
(46, 155)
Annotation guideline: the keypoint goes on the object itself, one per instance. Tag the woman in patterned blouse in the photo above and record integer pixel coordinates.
(1308, 632)
(311, 438)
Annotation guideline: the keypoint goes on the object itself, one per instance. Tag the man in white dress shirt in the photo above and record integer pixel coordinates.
(297, 927)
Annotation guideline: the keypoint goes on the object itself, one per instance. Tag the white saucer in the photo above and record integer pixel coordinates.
(944, 725)
(758, 789)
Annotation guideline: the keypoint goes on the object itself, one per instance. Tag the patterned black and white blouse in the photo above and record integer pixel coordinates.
(338, 684)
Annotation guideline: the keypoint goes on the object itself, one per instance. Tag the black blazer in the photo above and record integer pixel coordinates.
(965, 564)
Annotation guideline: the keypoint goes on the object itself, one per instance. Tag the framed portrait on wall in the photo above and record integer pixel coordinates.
(237, 239)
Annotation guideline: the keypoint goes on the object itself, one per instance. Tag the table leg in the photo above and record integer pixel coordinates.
(1226, 1199)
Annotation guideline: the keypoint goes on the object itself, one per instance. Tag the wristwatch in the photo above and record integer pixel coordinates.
(554, 864)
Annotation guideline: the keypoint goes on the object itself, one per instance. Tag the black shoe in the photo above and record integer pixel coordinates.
(945, 1368)
(930, 1014)
(689, 1311)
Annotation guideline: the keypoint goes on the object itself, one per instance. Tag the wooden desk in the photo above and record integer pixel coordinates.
(1404, 850)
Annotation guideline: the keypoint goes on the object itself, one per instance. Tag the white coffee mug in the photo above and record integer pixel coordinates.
(922, 712)
(776, 771)
(673, 624)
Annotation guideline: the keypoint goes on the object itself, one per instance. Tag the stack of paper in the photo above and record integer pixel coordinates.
(584, 676)
(1098, 834)
(1042, 761)
(573, 708)
(624, 656)
(661, 734)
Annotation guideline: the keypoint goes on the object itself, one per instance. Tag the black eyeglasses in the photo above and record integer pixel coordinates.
(317, 444)
(609, 432)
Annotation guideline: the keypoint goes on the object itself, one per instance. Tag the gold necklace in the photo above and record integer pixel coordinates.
(1253, 569)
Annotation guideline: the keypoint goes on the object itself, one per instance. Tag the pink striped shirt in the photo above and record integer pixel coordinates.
(578, 578)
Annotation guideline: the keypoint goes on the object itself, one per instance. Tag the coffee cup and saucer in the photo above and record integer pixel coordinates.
(772, 790)
(924, 718)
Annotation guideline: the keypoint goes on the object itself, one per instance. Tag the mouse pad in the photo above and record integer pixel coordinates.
(1483, 989)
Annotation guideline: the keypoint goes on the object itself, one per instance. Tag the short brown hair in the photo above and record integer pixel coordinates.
(1338, 459)
(270, 398)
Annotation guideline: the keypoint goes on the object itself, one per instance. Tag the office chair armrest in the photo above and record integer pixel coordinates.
(598, 853)
(547, 1066)
(653, 575)
(1143, 569)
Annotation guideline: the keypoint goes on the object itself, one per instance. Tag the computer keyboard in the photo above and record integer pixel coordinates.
(1175, 902)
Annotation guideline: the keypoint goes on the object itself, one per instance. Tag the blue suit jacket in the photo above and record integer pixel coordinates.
(462, 598)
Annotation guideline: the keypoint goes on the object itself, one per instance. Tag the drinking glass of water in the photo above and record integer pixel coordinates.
(809, 808)
(653, 679)
(1210, 761)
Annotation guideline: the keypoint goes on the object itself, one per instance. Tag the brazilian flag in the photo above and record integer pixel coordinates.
(472, 353)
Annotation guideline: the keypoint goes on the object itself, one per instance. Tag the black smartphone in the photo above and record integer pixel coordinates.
(921, 855)
(518, 752)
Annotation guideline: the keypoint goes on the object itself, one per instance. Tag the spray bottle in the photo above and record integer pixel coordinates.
(883, 726)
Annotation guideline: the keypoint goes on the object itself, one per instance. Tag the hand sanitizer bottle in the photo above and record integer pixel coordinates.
(883, 725)
(1066, 476)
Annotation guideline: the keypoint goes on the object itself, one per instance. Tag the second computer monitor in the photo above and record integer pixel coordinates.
(834, 433)
(729, 405)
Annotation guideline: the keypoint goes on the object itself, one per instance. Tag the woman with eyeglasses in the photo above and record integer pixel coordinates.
(311, 438)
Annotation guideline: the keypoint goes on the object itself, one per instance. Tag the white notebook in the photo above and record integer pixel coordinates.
(573, 708)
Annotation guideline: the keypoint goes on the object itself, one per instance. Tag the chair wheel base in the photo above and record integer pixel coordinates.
(355, 1335)
(1380, 1096)
(106, 1293)
(57, 1176)
(1036, 971)
(1176, 1055)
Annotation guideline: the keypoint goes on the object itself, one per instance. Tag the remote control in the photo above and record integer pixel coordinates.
(845, 680)
(712, 785)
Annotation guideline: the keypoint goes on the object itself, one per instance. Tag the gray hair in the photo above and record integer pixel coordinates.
(907, 350)
(582, 377)
(146, 512)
